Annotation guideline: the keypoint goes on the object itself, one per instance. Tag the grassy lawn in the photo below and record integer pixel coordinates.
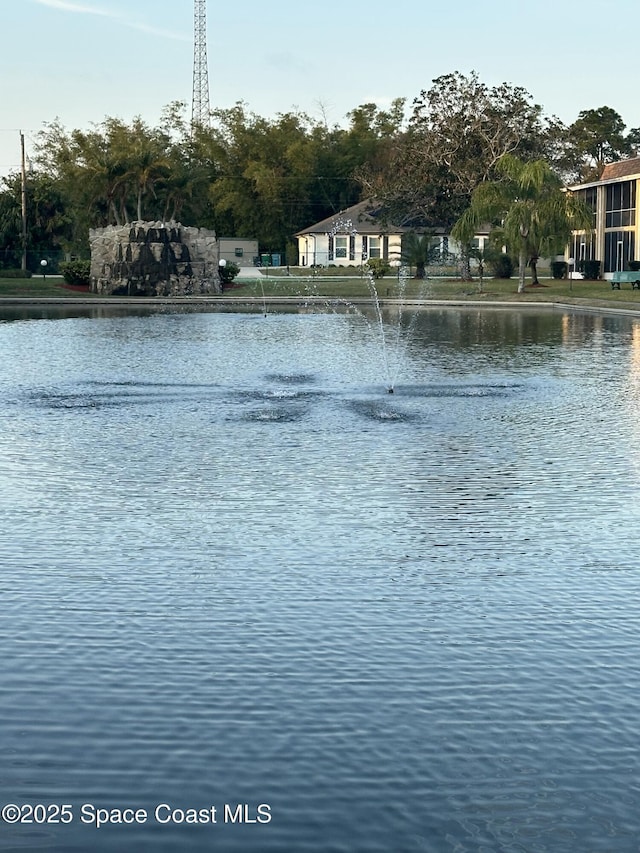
(597, 293)
(39, 286)
(503, 290)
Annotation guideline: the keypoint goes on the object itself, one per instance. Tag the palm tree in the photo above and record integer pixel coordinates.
(535, 213)
(417, 252)
(146, 167)
(103, 176)
(482, 256)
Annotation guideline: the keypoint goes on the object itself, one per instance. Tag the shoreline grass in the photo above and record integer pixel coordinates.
(598, 293)
(37, 286)
(580, 293)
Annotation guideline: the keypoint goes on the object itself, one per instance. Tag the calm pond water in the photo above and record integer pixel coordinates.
(234, 571)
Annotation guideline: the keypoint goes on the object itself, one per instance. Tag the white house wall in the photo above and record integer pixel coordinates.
(313, 249)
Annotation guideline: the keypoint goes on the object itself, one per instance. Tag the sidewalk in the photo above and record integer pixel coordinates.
(250, 272)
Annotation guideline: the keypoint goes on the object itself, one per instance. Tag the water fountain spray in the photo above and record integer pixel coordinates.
(394, 343)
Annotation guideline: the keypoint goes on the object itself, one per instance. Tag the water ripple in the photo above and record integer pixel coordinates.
(235, 570)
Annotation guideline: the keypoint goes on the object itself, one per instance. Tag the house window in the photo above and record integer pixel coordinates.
(620, 205)
(374, 247)
(341, 246)
(435, 250)
(239, 253)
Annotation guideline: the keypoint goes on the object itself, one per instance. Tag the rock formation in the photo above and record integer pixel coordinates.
(154, 259)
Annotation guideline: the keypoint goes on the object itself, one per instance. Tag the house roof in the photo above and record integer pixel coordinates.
(621, 169)
(365, 217)
(613, 172)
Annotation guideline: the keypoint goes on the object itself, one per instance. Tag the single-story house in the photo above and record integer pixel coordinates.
(614, 200)
(355, 235)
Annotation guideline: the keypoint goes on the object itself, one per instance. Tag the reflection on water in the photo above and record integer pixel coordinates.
(236, 571)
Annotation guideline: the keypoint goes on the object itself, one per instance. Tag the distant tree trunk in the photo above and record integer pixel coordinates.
(114, 211)
(522, 269)
(173, 216)
(533, 263)
(420, 270)
(124, 213)
(522, 259)
(465, 263)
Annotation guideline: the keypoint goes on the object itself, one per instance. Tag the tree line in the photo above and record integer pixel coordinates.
(266, 179)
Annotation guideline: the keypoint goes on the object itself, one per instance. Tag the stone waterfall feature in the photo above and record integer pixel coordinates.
(154, 259)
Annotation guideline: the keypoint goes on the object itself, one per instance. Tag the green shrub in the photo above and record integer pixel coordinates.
(76, 272)
(589, 269)
(228, 272)
(559, 269)
(378, 267)
(15, 274)
(291, 254)
(502, 266)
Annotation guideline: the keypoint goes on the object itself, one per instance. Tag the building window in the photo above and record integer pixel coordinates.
(341, 245)
(374, 247)
(435, 250)
(590, 198)
(619, 248)
(620, 204)
(239, 253)
(583, 247)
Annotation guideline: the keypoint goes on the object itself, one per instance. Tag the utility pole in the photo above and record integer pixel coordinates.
(23, 172)
(200, 102)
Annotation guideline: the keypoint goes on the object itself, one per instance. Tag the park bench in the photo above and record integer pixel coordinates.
(632, 276)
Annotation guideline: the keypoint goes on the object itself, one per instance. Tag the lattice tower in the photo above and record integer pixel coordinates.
(200, 101)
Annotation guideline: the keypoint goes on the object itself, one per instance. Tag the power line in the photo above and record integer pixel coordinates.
(200, 101)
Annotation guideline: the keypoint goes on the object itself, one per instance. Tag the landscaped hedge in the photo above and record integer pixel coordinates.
(589, 269)
(378, 267)
(559, 269)
(15, 273)
(76, 272)
(228, 272)
(502, 266)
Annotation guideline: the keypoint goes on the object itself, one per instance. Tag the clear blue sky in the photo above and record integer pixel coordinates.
(82, 60)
